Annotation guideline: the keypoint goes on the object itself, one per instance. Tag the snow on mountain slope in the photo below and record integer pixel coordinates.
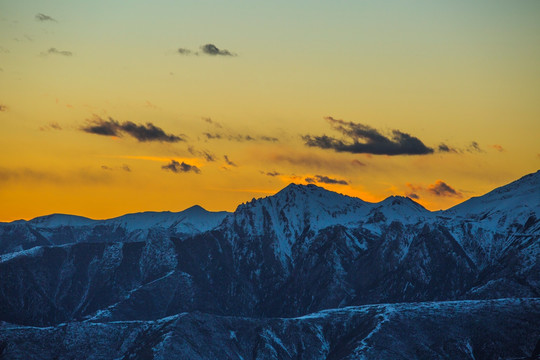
(500, 208)
(483, 225)
(191, 221)
(398, 208)
(295, 210)
(57, 220)
(471, 330)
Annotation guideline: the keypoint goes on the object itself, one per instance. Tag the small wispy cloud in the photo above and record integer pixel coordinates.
(446, 148)
(238, 137)
(43, 17)
(206, 49)
(205, 154)
(325, 180)
(124, 167)
(271, 173)
(183, 51)
(228, 161)
(51, 126)
(55, 51)
(182, 167)
(440, 188)
(3, 108)
(474, 147)
(213, 50)
(498, 147)
(212, 122)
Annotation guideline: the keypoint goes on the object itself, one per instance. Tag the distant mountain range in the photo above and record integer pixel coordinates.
(304, 274)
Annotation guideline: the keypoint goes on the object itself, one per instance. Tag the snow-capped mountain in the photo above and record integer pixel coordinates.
(61, 229)
(267, 277)
(504, 206)
(293, 212)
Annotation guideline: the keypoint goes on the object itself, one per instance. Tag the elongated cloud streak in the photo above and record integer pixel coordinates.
(143, 133)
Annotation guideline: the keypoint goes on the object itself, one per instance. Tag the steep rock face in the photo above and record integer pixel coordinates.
(500, 329)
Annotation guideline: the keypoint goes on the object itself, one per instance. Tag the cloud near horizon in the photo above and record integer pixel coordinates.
(183, 167)
(363, 139)
(440, 188)
(143, 133)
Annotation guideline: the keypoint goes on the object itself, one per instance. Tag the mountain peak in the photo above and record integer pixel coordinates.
(516, 200)
(296, 210)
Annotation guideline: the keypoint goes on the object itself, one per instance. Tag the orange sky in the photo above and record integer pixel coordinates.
(106, 110)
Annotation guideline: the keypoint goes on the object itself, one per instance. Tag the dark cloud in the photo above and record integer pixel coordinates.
(43, 17)
(177, 167)
(126, 168)
(474, 147)
(99, 126)
(365, 139)
(55, 51)
(325, 180)
(445, 148)
(105, 167)
(204, 154)
(413, 196)
(3, 108)
(213, 50)
(440, 188)
(228, 161)
(142, 133)
(183, 51)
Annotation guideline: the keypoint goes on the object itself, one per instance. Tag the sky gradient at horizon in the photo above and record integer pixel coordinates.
(107, 109)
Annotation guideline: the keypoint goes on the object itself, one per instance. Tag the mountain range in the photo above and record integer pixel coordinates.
(304, 274)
